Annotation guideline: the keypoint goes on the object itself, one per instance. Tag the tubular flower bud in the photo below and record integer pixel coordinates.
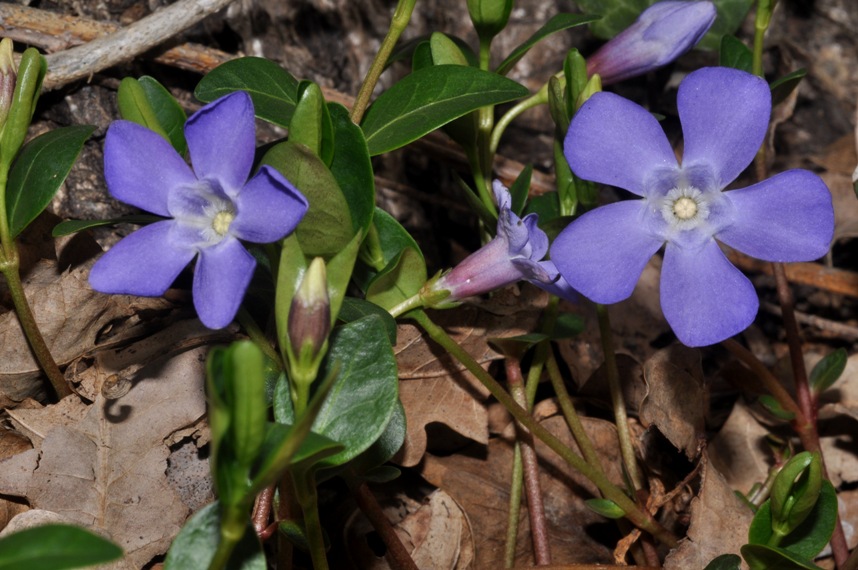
(310, 313)
(662, 33)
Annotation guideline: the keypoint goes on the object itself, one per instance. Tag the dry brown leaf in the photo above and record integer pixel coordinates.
(739, 452)
(839, 160)
(103, 465)
(676, 399)
(436, 387)
(479, 481)
(71, 317)
(719, 523)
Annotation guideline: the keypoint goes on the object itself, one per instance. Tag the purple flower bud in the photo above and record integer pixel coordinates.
(662, 33)
(310, 313)
(8, 76)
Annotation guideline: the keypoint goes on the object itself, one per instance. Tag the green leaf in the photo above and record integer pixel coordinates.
(429, 98)
(365, 392)
(556, 24)
(762, 557)
(55, 547)
(134, 106)
(39, 171)
(273, 90)
(386, 240)
(279, 452)
(811, 536)
(354, 309)
(352, 168)
(399, 281)
(244, 376)
(327, 227)
(520, 190)
(781, 88)
(606, 508)
(445, 51)
(311, 122)
(725, 562)
(828, 370)
(774, 407)
(69, 227)
(195, 545)
(28, 84)
(171, 116)
(734, 53)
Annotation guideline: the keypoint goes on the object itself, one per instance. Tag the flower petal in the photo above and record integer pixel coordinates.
(141, 167)
(603, 253)
(724, 114)
(223, 273)
(144, 263)
(614, 141)
(222, 141)
(268, 208)
(704, 298)
(555, 284)
(788, 217)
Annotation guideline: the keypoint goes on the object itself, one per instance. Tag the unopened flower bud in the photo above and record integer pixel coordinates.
(662, 33)
(310, 314)
(489, 16)
(8, 76)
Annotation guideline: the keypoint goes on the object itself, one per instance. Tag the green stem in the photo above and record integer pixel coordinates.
(638, 516)
(413, 302)
(514, 508)
(401, 17)
(233, 521)
(538, 98)
(627, 450)
(305, 492)
(761, 24)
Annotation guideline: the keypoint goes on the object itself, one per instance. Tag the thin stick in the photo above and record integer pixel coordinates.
(396, 555)
(127, 43)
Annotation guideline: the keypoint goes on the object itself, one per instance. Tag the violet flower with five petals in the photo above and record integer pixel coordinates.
(210, 208)
(724, 115)
(662, 33)
(514, 254)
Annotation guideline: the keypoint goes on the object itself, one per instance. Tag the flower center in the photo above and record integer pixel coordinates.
(684, 208)
(221, 222)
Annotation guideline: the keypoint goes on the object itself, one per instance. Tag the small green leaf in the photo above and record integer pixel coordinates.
(354, 309)
(134, 106)
(445, 51)
(791, 480)
(725, 562)
(171, 116)
(39, 171)
(391, 238)
(311, 122)
(762, 557)
(520, 189)
(782, 87)
(556, 24)
(828, 370)
(195, 545)
(69, 227)
(273, 90)
(327, 227)
(352, 167)
(245, 383)
(606, 508)
(55, 547)
(429, 98)
(734, 53)
(774, 407)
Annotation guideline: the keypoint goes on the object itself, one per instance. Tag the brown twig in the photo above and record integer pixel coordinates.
(840, 330)
(396, 555)
(530, 463)
(829, 279)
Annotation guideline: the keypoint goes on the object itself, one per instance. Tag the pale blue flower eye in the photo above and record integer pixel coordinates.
(209, 208)
(724, 115)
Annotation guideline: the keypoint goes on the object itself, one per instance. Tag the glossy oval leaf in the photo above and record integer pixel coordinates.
(400, 280)
(828, 370)
(311, 122)
(762, 557)
(352, 168)
(734, 53)
(38, 172)
(273, 89)
(134, 106)
(170, 114)
(354, 309)
(195, 545)
(557, 23)
(55, 547)
(725, 562)
(429, 98)
(327, 227)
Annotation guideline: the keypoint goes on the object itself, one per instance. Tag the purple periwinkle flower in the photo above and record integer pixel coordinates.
(514, 254)
(662, 33)
(210, 207)
(724, 115)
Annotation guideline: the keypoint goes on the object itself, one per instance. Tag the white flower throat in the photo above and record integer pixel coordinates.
(684, 208)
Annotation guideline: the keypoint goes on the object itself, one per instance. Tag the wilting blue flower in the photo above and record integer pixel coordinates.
(724, 115)
(513, 255)
(210, 208)
(662, 33)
